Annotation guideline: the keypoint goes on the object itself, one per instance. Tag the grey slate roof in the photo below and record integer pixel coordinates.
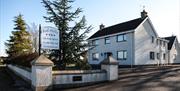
(121, 27)
(171, 41)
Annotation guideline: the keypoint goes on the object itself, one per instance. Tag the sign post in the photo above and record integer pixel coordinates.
(39, 40)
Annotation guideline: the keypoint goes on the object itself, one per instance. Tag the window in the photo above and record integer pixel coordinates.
(107, 40)
(121, 37)
(95, 56)
(157, 41)
(158, 56)
(164, 56)
(122, 55)
(174, 57)
(95, 42)
(152, 55)
(152, 39)
(164, 43)
(160, 42)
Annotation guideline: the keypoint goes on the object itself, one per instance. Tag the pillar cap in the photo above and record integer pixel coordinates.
(110, 61)
(42, 61)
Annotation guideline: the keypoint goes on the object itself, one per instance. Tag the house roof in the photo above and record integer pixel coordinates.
(171, 41)
(121, 27)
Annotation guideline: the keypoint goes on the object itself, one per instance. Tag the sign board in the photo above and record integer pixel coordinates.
(49, 38)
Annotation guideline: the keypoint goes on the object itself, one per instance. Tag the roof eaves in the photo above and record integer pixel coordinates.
(128, 31)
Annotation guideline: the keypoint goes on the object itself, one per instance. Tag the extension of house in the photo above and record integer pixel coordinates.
(134, 42)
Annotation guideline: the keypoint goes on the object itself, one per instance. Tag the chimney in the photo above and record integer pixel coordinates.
(101, 26)
(143, 14)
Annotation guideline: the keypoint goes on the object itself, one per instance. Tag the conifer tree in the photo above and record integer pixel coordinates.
(19, 43)
(72, 32)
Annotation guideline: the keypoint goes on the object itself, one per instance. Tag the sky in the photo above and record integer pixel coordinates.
(164, 14)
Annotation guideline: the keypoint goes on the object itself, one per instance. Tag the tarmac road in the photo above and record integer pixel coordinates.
(156, 79)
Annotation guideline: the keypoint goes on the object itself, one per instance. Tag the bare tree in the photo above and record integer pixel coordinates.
(33, 30)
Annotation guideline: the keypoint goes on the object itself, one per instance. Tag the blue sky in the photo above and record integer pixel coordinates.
(164, 14)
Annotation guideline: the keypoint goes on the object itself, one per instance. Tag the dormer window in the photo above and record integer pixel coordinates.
(95, 42)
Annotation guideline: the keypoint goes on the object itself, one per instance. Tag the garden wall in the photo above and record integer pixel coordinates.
(64, 79)
(23, 73)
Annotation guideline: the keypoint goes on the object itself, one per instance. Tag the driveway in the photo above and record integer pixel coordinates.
(151, 79)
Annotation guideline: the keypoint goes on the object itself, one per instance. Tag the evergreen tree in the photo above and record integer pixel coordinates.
(19, 43)
(72, 33)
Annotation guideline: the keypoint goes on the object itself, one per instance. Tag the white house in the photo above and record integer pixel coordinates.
(133, 42)
(173, 50)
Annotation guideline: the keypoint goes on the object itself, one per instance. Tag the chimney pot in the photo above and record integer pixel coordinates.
(143, 14)
(101, 26)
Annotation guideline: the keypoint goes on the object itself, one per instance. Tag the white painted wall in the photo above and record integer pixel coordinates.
(112, 71)
(41, 76)
(138, 45)
(143, 45)
(23, 73)
(67, 77)
(175, 50)
(113, 47)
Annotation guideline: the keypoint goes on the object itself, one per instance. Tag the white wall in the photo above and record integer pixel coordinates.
(41, 75)
(144, 45)
(23, 73)
(67, 77)
(113, 47)
(175, 50)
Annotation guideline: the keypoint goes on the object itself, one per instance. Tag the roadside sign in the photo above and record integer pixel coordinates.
(49, 38)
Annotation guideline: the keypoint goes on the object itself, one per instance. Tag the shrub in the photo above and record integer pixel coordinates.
(24, 60)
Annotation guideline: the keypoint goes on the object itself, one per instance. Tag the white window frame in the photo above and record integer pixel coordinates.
(152, 39)
(152, 55)
(164, 56)
(95, 56)
(95, 42)
(124, 37)
(107, 40)
(158, 55)
(124, 55)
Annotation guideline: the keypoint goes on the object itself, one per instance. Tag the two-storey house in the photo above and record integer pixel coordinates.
(133, 42)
